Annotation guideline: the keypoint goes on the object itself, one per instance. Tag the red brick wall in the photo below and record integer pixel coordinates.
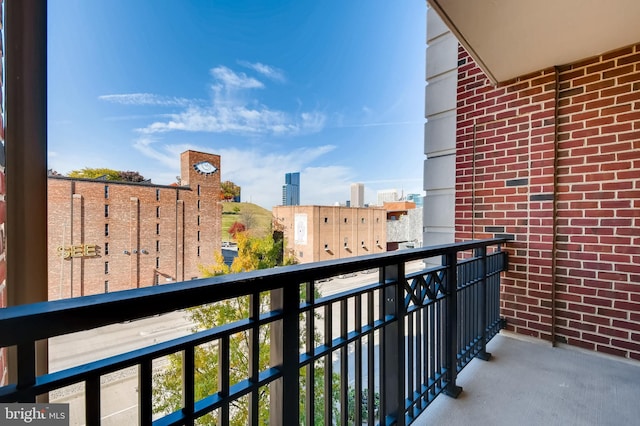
(353, 225)
(205, 203)
(506, 169)
(157, 226)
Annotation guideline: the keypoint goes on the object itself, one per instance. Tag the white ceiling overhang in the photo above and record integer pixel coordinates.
(510, 38)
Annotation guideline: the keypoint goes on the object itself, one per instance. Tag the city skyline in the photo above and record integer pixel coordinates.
(133, 84)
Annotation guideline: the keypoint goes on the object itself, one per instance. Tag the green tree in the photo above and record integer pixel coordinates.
(107, 174)
(229, 191)
(253, 253)
(95, 173)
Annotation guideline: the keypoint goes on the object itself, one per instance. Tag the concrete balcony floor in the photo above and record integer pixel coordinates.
(528, 382)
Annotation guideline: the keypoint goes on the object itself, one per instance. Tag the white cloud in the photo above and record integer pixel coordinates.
(134, 117)
(239, 120)
(230, 112)
(388, 123)
(145, 99)
(259, 173)
(266, 70)
(325, 185)
(231, 79)
(164, 155)
(313, 121)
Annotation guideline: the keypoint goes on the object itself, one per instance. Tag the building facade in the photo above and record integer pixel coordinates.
(315, 233)
(387, 196)
(404, 225)
(357, 195)
(551, 160)
(291, 189)
(418, 199)
(106, 235)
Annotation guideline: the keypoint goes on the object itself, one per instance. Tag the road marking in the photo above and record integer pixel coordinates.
(118, 412)
(115, 414)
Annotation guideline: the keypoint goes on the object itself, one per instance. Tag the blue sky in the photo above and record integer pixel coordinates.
(332, 89)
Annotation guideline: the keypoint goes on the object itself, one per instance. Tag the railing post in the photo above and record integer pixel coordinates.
(254, 359)
(285, 336)
(481, 253)
(393, 347)
(145, 391)
(451, 325)
(27, 367)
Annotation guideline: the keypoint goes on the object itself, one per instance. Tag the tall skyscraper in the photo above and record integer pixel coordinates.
(388, 195)
(416, 198)
(357, 195)
(291, 189)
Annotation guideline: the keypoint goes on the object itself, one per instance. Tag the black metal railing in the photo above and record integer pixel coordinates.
(377, 353)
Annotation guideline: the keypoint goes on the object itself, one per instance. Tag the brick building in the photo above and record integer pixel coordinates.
(315, 233)
(547, 155)
(105, 236)
(404, 225)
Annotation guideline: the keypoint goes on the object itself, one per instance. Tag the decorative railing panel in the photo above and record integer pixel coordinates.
(375, 353)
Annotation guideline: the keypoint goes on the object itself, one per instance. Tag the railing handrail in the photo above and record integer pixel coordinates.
(28, 323)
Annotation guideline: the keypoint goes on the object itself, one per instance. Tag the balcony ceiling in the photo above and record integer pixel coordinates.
(511, 38)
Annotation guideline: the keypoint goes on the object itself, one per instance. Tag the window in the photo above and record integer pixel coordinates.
(345, 220)
(198, 190)
(106, 286)
(326, 220)
(158, 211)
(198, 235)
(362, 220)
(198, 251)
(106, 191)
(106, 229)
(346, 242)
(106, 267)
(362, 244)
(157, 245)
(157, 195)
(326, 247)
(198, 220)
(198, 205)
(106, 210)
(157, 262)
(157, 229)
(106, 248)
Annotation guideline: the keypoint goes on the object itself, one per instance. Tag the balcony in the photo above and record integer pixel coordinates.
(403, 337)
(530, 382)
